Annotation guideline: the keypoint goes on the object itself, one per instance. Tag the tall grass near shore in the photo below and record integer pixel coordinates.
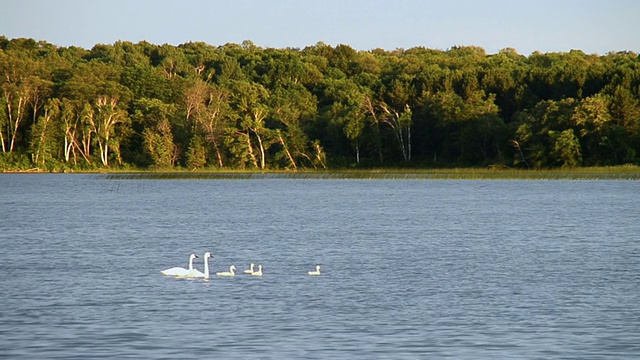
(591, 173)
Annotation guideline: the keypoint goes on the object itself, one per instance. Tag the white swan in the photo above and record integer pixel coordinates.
(259, 272)
(205, 275)
(231, 272)
(315, 273)
(179, 271)
(250, 270)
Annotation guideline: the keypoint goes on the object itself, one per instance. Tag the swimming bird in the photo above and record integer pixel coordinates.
(179, 271)
(231, 272)
(250, 270)
(315, 273)
(259, 272)
(205, 275)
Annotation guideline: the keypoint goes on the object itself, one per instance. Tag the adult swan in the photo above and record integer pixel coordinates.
(179, 271)
(205, 274)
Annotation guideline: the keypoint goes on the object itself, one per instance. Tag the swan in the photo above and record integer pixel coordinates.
(231, 272)
(178, 271)
(259, 272)
(315, 273)
(197, 274)
(250, 270)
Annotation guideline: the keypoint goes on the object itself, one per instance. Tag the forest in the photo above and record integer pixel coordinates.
(195, 106)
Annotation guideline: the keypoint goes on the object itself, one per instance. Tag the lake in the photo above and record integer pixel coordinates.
(410, 268)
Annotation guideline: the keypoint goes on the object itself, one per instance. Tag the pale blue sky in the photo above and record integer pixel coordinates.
(593, 26)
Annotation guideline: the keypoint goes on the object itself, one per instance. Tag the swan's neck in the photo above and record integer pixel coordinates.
(206, 268)
(190, 264)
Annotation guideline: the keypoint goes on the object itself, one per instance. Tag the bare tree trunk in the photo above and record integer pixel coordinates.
(261, 148)
(84, 154)
(517, 146)
(103, 152)
(17, 122)
(394, 121)
(86, 145)
(409, 142)
(308, 158)
(14, 121)
(89, 127)
(8, 98)
(252, 156)
(293, 163)
(218, 153)
(319, 154)
(43, 134)
(4, 149)
(400, 138)
(69, 140)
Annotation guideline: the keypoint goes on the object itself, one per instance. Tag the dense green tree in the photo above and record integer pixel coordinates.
(240, 105)
(566, 148)
(292, 106)
(537, 133)
(197, 155)
(45, 135)
(346, 110)
(157, 135)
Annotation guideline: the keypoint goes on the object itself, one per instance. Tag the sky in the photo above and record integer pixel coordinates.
(593, 26)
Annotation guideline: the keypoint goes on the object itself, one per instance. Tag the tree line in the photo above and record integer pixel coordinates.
(239, 106)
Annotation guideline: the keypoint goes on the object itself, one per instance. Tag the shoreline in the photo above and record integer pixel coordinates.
(589, 173)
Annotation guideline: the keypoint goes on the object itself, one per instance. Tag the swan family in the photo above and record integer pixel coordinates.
(192, 272)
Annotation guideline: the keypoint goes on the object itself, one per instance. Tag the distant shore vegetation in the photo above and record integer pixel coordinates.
(582, 173)
(242, 109)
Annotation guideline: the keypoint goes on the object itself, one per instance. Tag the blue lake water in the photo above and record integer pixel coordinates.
(411, 268)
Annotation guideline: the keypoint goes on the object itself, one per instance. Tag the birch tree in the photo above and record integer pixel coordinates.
(104, 121)
(251, 104)
(210, 116)
(72, 124)
(43, 133)
(19, 88)
(400, 123)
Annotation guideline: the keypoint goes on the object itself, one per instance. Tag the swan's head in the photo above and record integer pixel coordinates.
(207, 255)
(232, 267)
(193, 256)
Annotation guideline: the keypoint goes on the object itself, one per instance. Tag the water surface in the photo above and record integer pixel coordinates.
(411, 268)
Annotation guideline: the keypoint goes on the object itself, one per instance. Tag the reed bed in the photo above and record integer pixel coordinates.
(599, 173)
